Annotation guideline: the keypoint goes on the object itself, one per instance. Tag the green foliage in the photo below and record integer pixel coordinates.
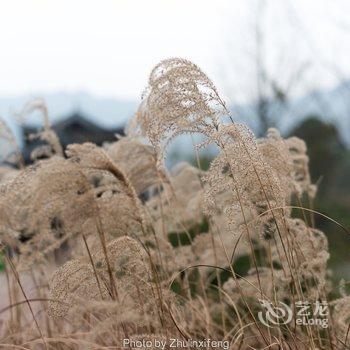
(185, 238)
(339, 241)
(2, 263)
(325, 149)
(330, 167)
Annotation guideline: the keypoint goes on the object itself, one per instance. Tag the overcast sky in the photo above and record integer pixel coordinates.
(108, 47)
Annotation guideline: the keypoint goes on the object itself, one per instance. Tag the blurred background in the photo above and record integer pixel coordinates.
(276, 63)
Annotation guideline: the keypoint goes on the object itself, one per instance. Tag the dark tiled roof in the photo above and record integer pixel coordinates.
(73, 129)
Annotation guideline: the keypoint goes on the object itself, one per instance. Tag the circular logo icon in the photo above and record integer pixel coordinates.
(274, 315)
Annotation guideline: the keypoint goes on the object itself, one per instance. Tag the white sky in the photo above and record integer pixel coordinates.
(108, 47)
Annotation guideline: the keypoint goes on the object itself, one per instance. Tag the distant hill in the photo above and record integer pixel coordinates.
(332, 105)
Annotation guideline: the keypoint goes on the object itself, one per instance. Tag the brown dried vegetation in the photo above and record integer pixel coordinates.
(118, 247)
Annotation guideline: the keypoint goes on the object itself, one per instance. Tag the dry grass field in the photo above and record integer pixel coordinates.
(107, 248)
